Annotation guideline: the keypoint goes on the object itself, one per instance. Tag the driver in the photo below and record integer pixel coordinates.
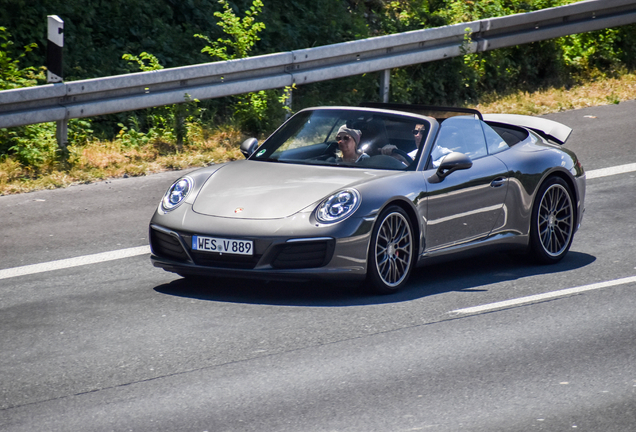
(419, 131)
(348, 140)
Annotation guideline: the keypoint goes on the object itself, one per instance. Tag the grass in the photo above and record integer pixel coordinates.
(602, 91)
(100, 160)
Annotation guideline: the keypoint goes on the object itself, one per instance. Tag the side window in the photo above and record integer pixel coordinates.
(494, 141)
(460, 134)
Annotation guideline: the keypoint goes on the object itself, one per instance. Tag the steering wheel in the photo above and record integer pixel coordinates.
(404, 155)
(330, 151)
(332, 146)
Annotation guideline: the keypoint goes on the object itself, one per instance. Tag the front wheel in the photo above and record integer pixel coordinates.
(391, 253)
(552, 221)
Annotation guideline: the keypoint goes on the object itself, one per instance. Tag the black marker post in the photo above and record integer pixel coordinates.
(54, 68)
(54, 49)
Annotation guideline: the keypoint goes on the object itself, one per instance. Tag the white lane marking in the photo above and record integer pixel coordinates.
(604, 172)
(74, 262)
(544, 296)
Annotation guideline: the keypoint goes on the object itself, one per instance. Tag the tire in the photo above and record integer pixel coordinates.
(552, 222)
(391, 255)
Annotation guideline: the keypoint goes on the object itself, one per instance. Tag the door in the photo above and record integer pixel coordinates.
(466, 204)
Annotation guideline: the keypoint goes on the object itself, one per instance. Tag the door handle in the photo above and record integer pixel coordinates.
(498, 182)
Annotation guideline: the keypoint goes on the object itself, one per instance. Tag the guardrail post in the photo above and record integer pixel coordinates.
(61, 134)
(288, 102)
(385, 82)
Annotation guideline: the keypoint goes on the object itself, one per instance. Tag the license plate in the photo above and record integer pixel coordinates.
(221, 245)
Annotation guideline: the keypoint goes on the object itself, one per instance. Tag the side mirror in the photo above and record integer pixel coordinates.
(249, 146)
(452, 162)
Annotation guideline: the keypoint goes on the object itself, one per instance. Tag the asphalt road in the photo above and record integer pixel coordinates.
(120, 345)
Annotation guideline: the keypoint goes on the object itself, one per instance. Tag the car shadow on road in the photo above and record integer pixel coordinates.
(466, 275)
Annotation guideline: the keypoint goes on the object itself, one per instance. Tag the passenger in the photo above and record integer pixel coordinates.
(348, 140)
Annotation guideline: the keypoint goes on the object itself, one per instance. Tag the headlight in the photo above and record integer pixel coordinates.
(338, 206)
(176, 193)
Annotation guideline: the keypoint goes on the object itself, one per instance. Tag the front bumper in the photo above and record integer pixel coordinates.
(326, 257)
(299, 275)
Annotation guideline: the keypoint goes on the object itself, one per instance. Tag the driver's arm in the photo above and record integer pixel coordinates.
(387, 149)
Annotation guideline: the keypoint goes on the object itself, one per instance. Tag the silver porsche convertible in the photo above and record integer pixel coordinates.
(368, 194)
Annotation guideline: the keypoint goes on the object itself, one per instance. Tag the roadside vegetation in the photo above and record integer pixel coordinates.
(132, 35)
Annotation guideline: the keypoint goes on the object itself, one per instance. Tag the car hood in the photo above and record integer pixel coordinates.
(268, 190)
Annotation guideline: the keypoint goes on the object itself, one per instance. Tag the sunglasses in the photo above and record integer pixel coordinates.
(343, 138)
(418, 131)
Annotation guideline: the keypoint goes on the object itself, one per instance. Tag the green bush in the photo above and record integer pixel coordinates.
(98, 35)
(31, 145)
(559, 62)
(12, 75)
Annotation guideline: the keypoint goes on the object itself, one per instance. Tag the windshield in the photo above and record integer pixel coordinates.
(347, 137)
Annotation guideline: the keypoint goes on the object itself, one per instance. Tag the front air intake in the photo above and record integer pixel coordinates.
(304, 255)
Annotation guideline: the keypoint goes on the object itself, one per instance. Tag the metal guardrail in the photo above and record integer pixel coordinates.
(92, 97)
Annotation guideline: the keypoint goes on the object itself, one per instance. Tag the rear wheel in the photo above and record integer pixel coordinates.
(552, 221)
(391, 253)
